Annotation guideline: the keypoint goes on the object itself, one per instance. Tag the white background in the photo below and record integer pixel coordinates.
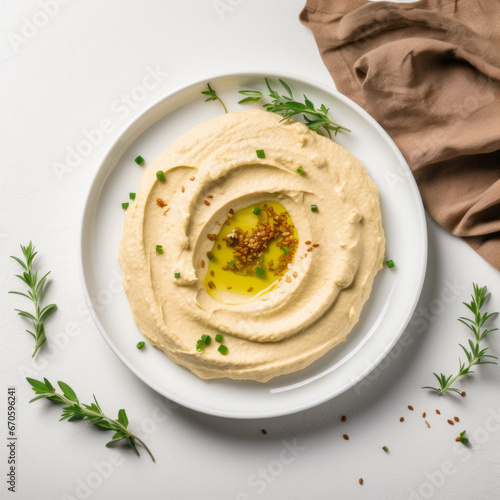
(61, 79)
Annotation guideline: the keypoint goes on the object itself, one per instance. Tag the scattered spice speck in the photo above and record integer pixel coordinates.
(410, 407)
(360, 480)
(438, 412)
(344, 418)
(264, 431)
(462, 394)
(451, 422)
(427, 424)
(402, 419)
(424, 414)
(456, 419)
(346, 437)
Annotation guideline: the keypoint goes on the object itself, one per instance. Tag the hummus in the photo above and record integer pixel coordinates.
(216, 172)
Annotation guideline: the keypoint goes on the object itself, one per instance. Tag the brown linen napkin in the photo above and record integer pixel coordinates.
(429, 73)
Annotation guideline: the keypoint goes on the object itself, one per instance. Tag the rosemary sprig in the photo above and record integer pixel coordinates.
(286, 106)
(34, 293)
(212, 96)
(475, 356)
(92, 412)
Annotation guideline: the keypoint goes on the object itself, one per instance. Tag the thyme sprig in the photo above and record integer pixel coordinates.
(212, 96)
(36, 287)
(92, 412)
(286, 106)
(476, 355)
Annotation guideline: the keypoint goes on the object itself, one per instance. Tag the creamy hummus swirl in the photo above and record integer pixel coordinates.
(299, 320)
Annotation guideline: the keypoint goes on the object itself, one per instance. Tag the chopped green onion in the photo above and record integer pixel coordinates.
(199, 349)
(390, 263)
(219, 338)
(385, 448)
(132, 196)
(139, 160)
(206, 339)
(257, 210)
(159, 249)
(314, 208)
(300, 171)
(260, 272)
(463, 439)
(124, 206)
(160, 175)
(285, 250)
(211, 256)
(140, 345)
(231, 263)
(260, 153)
(222, 349)
(177, 275)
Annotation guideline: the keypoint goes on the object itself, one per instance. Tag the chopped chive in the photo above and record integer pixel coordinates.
(132, 196)
(160, 175)
(159, 249)
(390, 263)
(231, 263)
(463, 439)
(199, 349)
(256, 210)
(139, 160)
(222, 349)
(260, 272)
(140, 345)
(314, 208)
(124, 206)
(177, 275)
(219, 338)
(211, 256)
(285, 250)
(385, 448)
(206, 339)
(300, 171)
(260, 153)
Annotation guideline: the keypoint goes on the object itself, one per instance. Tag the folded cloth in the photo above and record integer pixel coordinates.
(429, 73)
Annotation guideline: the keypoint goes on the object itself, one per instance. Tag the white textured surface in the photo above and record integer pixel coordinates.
(64, 80)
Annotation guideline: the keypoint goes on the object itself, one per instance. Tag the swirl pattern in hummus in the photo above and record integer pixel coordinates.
(299, 320)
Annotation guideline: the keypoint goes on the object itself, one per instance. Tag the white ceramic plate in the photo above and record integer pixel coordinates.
(383, 319)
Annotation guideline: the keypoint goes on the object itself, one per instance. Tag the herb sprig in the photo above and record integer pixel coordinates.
(36, 287)
(475, 356)
(212, 96)
(92, 412)
(287, 107)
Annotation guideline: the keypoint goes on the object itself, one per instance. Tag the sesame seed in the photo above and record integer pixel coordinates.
(343, 418)
(295, 274)
(438, 412)
(250, 289)
(458, 438)
(212, 273)
(427, 424)
(202, 263)
(210, 195)
(424, 414)
(456, 419)
(360, 480)
(402, 419)
(207, 203)
(310, 249)
(308, 242)
(192, 178)
(316, 245)
(346, 437)
(410, 407)
(182, 189)
(288, 279)
(451, 422)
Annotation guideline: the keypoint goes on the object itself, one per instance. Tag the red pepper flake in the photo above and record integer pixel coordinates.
(360, 480)
(344, 418)
(438, 412)
(456, 419)
(451, 422)
(346, 437)
(410, 407)
(402, 419)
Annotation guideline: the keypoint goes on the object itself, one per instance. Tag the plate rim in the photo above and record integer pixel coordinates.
(86, 220)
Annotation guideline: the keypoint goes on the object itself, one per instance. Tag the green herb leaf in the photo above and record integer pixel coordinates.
(212, 96)
(75, 411)
(474, 355)
(34, 293)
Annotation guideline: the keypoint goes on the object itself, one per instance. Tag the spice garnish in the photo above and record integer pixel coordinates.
(182, 188)
(202, 263)
(451, 422)
(192, 178)
(410, 407)
(456, 419)
(346, 437)
(160, 203)
(140, 345)
(438, 412)
(159, 249)
(402, 419)
(139, 160)
(427, 424)
(360, 480)
(264, 431)
(344, 418)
